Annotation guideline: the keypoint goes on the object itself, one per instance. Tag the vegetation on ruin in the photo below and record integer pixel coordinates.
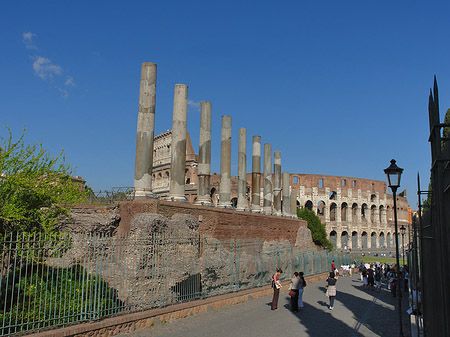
(35, 188)
(317, 228)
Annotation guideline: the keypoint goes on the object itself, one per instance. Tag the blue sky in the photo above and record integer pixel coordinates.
(339, 87)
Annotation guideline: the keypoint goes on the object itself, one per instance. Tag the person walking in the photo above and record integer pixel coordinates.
(331, 289)
(276, 285)
(301, 288)
(295, 281)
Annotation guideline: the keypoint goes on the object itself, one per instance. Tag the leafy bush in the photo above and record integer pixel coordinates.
(318, 233)
(41, 296)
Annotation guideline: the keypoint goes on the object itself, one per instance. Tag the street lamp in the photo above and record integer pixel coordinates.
(403, 230)
(394, 173)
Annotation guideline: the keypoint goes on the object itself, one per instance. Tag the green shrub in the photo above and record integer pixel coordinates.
(318, 233)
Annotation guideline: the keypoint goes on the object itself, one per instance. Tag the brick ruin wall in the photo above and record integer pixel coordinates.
(215, 222)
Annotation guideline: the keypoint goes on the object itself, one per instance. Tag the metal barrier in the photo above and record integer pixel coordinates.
(54, 280)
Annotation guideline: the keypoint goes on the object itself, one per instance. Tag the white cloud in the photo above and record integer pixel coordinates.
(70, 82)
(64, 93)
(193, 104)
(27, 39)
(44, 68)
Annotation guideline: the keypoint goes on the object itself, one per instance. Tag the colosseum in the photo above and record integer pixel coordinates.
(357, 213)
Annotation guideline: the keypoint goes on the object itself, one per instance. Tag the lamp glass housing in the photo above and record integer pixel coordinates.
(394, 174)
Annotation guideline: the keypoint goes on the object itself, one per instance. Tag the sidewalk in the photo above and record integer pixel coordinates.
(357, 312)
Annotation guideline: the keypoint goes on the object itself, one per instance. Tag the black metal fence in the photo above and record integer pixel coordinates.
(435, 230)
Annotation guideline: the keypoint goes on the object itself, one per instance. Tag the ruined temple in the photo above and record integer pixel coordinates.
(357, 213)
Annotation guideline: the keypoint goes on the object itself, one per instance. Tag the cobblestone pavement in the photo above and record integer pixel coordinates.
(357, 312)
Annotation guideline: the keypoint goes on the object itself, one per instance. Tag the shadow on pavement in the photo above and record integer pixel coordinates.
(374, 315)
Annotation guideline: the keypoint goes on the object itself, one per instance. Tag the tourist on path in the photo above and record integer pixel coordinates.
(331, 289)
(295, 282)
(301, 288)
(276, 285)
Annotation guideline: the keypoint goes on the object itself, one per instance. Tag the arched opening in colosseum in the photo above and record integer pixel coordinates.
(344, 210)
(363, 212)
(388, 213)
(380, 213)
(364, 240)
(381, 241)
(388, 240)
(373, 218)
(344, 239)
(188, 177)
(333, 210)
(321, 208)
(308, 205)
(354, 240)
(354, 211)
(234, 202)
(373, 197)
(333, 238)
(373, 240)
(333, 195)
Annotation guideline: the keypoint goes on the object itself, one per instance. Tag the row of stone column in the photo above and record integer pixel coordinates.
(144, 155)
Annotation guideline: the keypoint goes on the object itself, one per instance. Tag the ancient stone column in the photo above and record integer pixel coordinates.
(277, 182)
(267, 205)
(256, 174)
(242, 170)
(178, 147)
(293, 200)
(225, 164)
(145, 132)
(204, 155)
(286, 209)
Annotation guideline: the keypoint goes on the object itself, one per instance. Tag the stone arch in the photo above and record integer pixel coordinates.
(381, 212)
(321, 208)
(372, 214)
(308, 205)
(363, 211)
(344, 209)
(381, 240)
(364, 243)
(354, 211)
(333, 212)
(388, 213)
(344, 239)
(373, 197)
(388, 240)
(333, 195)
(234, 202)
(354, 240)
(333, 238)
(373, 240)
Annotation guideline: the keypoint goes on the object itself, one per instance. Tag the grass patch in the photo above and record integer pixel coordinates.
(372, 259)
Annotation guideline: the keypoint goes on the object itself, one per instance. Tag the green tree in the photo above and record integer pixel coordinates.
(35, 188)
(318, 233)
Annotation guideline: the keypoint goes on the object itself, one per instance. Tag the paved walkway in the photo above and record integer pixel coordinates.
(357, 312)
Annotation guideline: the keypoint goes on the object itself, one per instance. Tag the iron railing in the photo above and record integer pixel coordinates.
(55, 280)
(107, 197)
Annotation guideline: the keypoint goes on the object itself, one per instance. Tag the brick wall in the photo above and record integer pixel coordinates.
(216, 222)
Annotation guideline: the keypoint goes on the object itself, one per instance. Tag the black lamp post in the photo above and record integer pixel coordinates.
(403, 230)
(394, 173)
